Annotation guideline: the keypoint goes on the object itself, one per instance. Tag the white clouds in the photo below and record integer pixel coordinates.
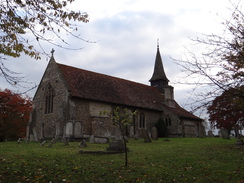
(126, 32)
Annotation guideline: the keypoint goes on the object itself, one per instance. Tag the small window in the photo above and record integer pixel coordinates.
(142, 121)
(49, 95)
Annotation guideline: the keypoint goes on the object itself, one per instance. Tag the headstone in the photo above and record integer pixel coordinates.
(78, 129)
(66, 141)
(101, 140)
(154, 133)
(92, 139)
(31, 138)
(83, 143)
(145, 135)
(69, 129)
(224, 133)
(238, 136)
(117, 145)
(35, 134)
(51, 143)
(136, 136)
(27, 140)
(43, 143)
(18, 141)
(210, 133)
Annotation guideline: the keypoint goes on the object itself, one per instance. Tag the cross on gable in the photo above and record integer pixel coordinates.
(52, 52)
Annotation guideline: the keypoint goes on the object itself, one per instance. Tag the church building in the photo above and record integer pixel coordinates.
(69, 101)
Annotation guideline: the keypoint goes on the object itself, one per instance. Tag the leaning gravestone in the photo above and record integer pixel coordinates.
(154, 133)
(145, 135)
(43, 143)
(83, 143)
(224, 133)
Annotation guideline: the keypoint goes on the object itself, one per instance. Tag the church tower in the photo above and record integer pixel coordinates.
(160, 81)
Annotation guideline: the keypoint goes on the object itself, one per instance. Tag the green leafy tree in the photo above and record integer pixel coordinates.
(26, 23)
(122, 118)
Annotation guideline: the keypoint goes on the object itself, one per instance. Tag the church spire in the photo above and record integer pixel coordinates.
(159, 78)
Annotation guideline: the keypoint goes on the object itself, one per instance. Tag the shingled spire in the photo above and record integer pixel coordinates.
(159, 78)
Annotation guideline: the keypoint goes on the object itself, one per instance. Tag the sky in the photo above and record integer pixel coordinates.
(124, 35)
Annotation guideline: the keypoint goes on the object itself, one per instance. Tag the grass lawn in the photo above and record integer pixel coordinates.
(203, 160)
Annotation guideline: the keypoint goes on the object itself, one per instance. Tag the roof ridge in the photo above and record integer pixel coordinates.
(97, 73)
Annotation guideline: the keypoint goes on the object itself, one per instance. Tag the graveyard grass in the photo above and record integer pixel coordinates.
(178, 160)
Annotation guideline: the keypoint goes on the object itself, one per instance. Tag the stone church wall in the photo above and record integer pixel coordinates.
(45, 124)
(174, 127)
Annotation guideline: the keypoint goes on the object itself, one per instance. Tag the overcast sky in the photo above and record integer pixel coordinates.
(125, 33)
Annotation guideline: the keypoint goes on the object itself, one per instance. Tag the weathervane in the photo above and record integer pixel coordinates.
(157, 43)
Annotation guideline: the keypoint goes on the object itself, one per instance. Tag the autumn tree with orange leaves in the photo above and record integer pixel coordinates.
(14, 115)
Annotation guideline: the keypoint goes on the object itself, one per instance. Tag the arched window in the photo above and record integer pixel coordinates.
(49, 95)
(142, 120)
(167, 121)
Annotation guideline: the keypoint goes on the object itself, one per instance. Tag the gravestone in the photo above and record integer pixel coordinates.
(238, 136)
(51, 143)
(101, 140)
(117, 145)
(92, 140)
(27, 140)
(66, 141)
(35, 134)
(83, 143)
(31, 138)
(69, 129)
(78, 129)
(43, 143)
(210, 133)
(154, 133)
(224, 133)
(136, 136)
(145, 135)
(18, 141)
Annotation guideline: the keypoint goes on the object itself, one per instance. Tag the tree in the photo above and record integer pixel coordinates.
(226, 110)
(221, 65)
(23, 23)
(122, 118)
(14, 115)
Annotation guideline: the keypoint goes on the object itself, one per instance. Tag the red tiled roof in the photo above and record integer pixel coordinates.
(100, 87)
(181, 112)
(94, 86)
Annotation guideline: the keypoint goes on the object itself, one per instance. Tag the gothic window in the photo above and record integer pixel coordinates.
(49, 95)
(142, 121)
(167, 121)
